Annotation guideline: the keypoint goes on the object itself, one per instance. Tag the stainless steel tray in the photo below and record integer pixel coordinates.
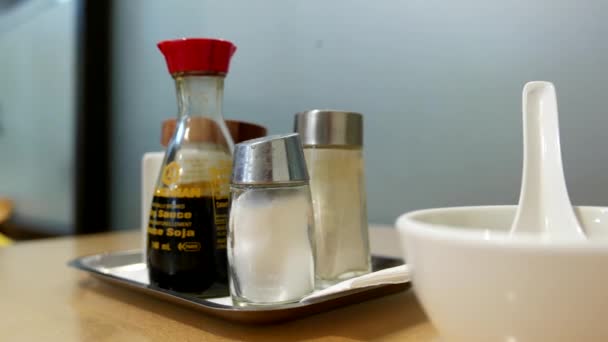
(127, 269)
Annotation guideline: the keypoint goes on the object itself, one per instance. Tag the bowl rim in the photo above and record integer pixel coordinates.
(410, 224)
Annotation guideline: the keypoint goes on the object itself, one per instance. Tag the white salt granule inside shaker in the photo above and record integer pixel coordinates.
(272, 257)
(270, 235)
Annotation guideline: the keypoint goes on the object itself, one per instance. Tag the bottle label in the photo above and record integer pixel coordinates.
(187, 224)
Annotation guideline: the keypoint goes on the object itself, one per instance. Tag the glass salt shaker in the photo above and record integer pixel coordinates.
(270, 242)
(333, 148)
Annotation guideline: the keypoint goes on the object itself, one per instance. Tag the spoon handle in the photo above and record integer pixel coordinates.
(544, 204)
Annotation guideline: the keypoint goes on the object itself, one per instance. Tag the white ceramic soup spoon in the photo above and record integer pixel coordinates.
(544, 205)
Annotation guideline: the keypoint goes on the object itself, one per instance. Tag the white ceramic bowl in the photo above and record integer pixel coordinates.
(476, 283)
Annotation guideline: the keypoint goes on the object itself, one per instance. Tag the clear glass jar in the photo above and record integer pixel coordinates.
(333, 148)
(270, 249)
(337, 183)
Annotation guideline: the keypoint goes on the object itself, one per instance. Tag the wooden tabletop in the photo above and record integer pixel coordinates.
(41, 299)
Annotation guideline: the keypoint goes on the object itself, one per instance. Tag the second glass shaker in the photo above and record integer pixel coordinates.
(333, 147)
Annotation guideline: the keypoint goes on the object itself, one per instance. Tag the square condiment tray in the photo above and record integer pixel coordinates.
(127, 269)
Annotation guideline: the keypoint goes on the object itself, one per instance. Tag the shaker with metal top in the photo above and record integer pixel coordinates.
(270, 242)
(333, 148)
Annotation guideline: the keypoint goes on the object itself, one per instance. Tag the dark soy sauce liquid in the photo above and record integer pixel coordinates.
(187, 243)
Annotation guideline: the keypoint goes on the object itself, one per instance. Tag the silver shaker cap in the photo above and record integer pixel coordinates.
(271, 159)
(329, 128)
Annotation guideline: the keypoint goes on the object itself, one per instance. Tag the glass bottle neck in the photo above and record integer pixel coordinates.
(200, 95)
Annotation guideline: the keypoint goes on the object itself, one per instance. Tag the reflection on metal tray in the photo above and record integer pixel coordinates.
(127, 269)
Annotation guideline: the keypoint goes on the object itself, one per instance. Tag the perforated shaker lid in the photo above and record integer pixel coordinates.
(272, 159)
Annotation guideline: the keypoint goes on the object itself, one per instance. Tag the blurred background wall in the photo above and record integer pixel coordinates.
(439, 83)
(37, 111)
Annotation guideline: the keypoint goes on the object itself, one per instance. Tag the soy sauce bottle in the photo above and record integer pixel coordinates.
(186, 248)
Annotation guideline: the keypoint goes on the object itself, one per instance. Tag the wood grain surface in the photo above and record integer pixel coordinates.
(41, 299)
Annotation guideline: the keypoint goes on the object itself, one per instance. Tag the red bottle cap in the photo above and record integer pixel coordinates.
(204, 55)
